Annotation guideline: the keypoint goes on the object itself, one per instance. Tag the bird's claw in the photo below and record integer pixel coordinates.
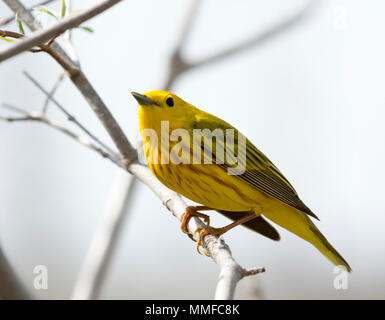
(189, 213)
(204, 232)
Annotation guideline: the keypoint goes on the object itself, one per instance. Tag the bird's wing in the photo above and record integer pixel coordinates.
(258, 172)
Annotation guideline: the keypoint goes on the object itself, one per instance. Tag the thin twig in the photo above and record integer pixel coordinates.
(30, 116)
(42, 36)
(70, 117)
(12, 34)
(52, 92)
(15, 109)
(85, 142)
(5, 21)
(80, 80)
(43, 47)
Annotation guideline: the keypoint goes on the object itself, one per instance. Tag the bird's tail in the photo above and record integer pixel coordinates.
(301, 225)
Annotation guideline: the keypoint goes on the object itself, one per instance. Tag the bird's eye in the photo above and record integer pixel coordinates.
(170, 102)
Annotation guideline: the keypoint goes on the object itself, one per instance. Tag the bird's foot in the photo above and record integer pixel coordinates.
(204, 232)
(192, 211)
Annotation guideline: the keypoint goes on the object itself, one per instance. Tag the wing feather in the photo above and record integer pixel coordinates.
(259, 173)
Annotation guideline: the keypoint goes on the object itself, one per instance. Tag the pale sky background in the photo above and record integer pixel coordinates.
(311, 100)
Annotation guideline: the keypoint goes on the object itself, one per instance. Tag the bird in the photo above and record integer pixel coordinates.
(240, 182)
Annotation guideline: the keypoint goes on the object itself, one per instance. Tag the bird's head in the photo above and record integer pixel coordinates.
(159, 99)
(159, 105)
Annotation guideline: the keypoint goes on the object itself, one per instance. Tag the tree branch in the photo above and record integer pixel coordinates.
(69, 116)
(42, 36)
(230, 271)
(179, 64)
(80, 80)
(52, 93)
(104, 240)
(276, 30)
(31, 116)
(71, 65)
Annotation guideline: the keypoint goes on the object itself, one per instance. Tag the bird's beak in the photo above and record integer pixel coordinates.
(143, 100)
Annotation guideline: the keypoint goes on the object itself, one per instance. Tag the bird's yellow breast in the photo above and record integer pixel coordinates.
(207, 184)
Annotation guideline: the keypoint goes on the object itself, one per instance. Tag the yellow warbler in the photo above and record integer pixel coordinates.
(229, 175)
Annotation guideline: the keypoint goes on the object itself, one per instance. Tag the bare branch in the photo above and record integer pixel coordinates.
(70, 117)
(85, 142)
(187, 24)
(230, 274)
(52, 92)
(30, 116)
(230, 271)
(81, 81)
(179, 65)
(84, 86)
(271, 33)
(104, 240)
(15, 109)
(42, 36)
(105, 116)
(176, 64)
